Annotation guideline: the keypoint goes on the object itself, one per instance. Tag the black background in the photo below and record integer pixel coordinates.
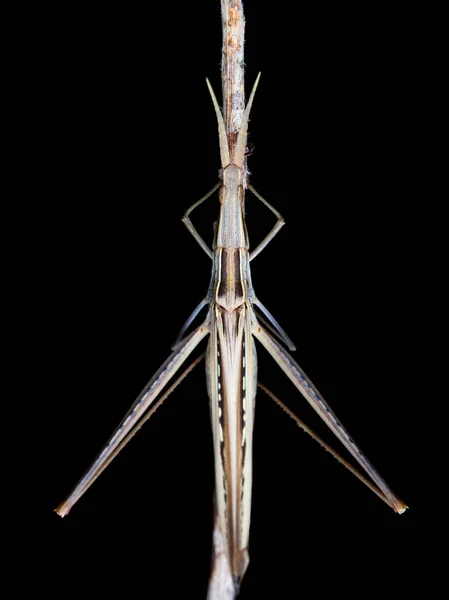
(121, 139)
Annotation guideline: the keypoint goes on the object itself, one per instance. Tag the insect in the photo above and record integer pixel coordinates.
(235, 318)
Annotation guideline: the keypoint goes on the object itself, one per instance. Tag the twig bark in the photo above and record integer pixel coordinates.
(221, 585)
(233, 68)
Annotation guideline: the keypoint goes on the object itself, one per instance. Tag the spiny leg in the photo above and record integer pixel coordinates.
(140, 424)
(188, 223)
(326, 446)
(280, 223)
(317, 402)
(142, 404)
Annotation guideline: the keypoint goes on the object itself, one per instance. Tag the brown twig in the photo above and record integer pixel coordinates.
(233, 68)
